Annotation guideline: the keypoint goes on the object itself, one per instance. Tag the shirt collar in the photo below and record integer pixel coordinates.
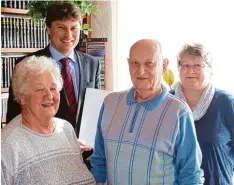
(56, 55)
(150, 104)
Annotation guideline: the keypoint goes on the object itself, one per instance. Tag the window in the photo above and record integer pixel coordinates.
(174, 23)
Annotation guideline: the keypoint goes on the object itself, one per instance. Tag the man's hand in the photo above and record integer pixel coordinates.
(83, 146)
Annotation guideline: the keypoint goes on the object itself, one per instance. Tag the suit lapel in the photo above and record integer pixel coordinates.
(82, 83)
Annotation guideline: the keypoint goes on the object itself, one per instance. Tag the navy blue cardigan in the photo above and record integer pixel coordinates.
(215, 133)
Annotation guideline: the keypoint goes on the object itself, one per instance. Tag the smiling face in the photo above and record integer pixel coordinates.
(64, 35)
(145, 69)
(193, 77)
(42, 98)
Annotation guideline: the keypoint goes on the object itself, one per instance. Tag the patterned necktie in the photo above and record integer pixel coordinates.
(68, 85)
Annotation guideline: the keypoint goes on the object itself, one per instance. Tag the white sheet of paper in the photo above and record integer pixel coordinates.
(92, 105)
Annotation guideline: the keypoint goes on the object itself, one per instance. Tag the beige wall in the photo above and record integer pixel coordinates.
(102, 27)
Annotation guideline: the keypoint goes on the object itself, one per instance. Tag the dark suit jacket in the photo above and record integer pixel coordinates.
(89, 77)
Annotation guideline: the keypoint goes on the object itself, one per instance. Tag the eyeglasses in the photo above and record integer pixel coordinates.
(196, 67)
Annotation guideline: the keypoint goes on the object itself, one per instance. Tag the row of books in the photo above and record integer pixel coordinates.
(8, 65)
(19, 4)
(23, 33)
(84, 40)
(102, 74)
(4, 98)
(98, 40)
(97, 49)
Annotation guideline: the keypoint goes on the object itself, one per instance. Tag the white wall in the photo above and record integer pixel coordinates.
(174, 23)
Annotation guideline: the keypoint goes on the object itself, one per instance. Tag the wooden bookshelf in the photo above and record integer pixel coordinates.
(82, 49)
(19, 50)
(4, 90)
(13, 11)
(27, 50)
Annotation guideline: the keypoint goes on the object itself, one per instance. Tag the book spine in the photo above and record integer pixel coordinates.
(23, 4)
(28, 33)
(10, 33)
(17, 33)
(35, 34)
(24, 33)
(14, 4)
(41, 33)
(38, 34)
(43, 37)
(7, 33)
(94, 39)
(2, 65)
(14, 60)
(3, 3)
(9, 4)
(8, 73)
(14, 32)
(2, 32)
(5, 74)
(10, 69)
(31, 33)
(19, 4)
(21, 31)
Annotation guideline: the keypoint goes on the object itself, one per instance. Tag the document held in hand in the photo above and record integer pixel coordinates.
(93, 102)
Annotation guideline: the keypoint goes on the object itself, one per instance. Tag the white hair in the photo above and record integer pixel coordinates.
(32, 66)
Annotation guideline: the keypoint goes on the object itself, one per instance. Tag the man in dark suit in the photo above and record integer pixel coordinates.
(63, 24)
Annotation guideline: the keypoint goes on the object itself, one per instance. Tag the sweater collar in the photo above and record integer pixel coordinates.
(149, 104)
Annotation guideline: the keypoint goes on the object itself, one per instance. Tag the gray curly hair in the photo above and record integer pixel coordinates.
(29, 67)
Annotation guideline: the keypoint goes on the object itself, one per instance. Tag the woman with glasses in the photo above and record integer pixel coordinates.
(213, 113)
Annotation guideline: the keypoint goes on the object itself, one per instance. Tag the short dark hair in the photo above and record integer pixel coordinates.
(62, 11)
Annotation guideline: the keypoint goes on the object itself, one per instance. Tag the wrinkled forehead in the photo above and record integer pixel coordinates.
(143, 52)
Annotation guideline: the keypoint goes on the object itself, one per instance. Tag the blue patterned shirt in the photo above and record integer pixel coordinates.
(152, 142)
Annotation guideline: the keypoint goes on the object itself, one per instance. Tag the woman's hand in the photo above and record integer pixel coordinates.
(83, 146)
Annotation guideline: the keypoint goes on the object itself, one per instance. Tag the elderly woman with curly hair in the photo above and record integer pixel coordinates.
(38, 148)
